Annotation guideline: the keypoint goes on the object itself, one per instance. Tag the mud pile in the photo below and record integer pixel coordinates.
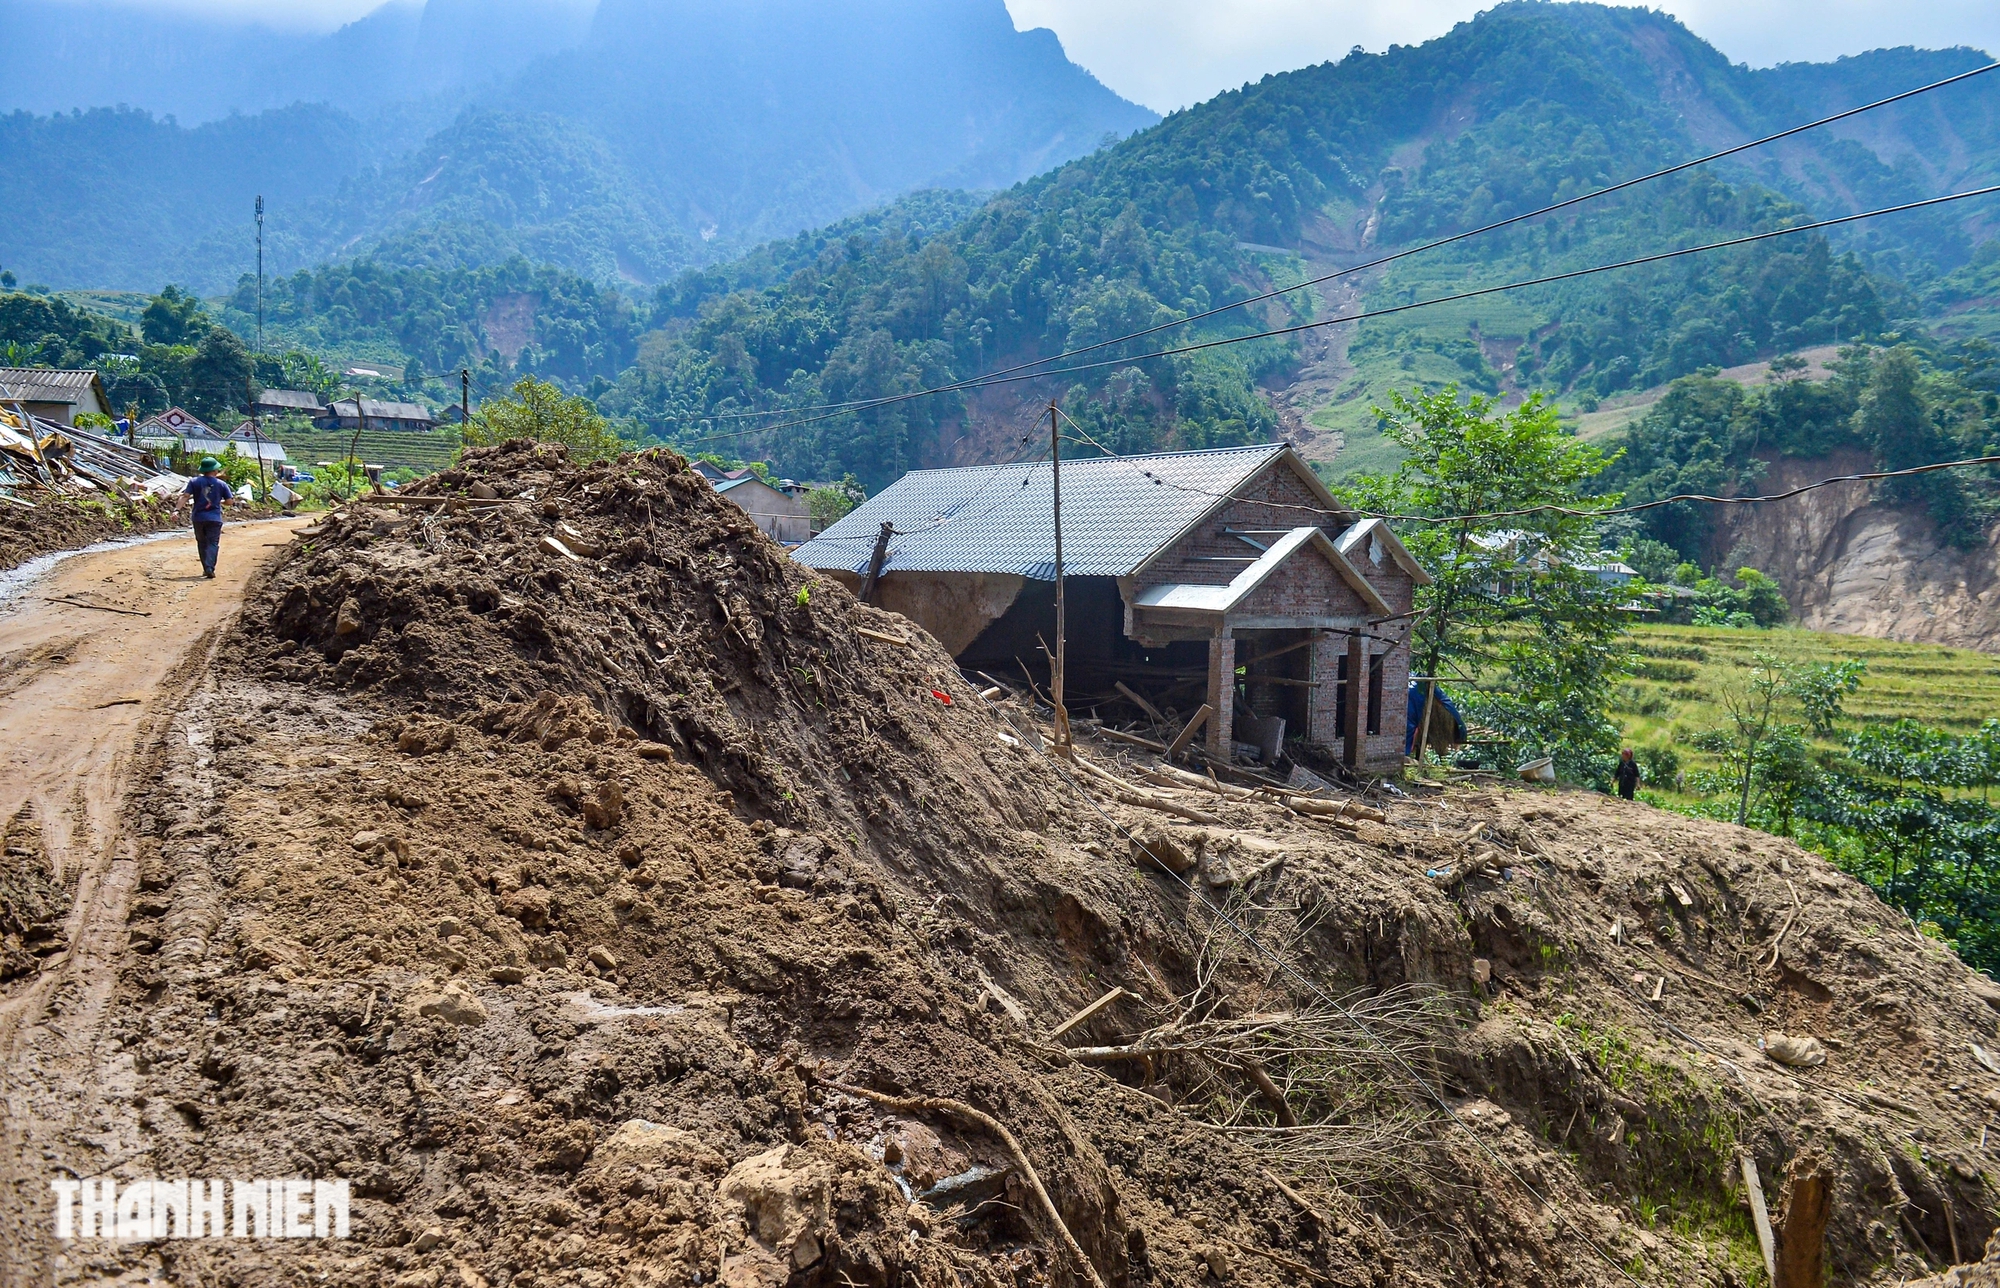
(560, 864)
(60, 523)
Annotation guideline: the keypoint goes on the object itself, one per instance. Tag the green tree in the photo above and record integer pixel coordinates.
(174, 316)
(1820, 689)
(831, 502)
(540, 411)
(1753, 709)
(1501, 517)
(219, 377)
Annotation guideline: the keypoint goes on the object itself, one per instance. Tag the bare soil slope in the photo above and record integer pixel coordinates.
(565, 866)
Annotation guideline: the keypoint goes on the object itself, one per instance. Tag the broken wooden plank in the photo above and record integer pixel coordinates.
(1120, 735)
(1186, 735)
(1088, 1013)
(1152, 713)
(884, 637)
(1761, 1216)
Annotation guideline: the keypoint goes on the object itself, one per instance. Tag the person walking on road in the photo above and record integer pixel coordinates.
(209, 492)
(1627, 775)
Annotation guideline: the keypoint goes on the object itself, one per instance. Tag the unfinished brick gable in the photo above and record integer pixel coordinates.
(1308, 585)
(1271, 504)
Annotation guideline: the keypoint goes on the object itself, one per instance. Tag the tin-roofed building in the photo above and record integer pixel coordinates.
(54, 395)
(395, 416)
(288, 402)
(1230, 578)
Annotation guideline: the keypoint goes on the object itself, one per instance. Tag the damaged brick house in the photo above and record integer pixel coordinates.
(1228, 577)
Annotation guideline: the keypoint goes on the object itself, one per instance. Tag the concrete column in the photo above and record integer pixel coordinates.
(1222, 696)
(1354, 738)
(1324, 705)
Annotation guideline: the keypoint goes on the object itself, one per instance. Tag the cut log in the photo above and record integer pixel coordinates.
(1802, 1238)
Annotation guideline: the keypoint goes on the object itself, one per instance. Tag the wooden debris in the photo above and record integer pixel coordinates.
(553, 546)
(1119, 735)
(1298, 1199)
(966, 1113)
(1187, 733)
(1680, 894)
(1784, 929)
(1334, 809)
(1801, 1256)
(1088, 1013)
(1152, 712)
(1760, 1216)
(1659, 988)
(1131, 795)
(885, 638)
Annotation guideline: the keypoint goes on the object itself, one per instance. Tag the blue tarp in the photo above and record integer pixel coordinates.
(1416, 717)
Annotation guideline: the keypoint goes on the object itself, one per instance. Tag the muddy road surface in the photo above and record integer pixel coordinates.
(94, 656)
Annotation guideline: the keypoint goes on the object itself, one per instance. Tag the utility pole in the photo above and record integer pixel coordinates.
(1056, 674)
(256, 436)
(464, 400)
(260, 273)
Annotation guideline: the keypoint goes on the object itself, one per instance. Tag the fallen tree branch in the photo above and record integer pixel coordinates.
(966, 1113)
(1784, 929)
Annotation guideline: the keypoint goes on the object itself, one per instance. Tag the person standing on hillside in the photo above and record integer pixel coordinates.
(1627, 775)
(209, 492)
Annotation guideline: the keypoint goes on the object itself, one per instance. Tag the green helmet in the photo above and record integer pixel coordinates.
(209, 464)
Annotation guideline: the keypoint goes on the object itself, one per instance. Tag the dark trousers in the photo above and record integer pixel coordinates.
(208, 540)
(1627, 786)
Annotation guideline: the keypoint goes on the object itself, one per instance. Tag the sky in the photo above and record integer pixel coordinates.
(1168, 54)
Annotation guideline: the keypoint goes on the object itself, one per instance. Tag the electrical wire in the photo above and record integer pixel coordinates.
(1414, 250)
(1366, 314)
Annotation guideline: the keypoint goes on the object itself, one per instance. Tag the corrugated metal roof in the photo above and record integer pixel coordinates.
(37, 384)
(998, 518)
(382, 410)
(298, 399)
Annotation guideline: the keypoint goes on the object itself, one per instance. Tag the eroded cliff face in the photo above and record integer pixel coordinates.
(1848, 564)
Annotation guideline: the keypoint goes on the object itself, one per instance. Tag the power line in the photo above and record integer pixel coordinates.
(1366, 314)
(1402, 254)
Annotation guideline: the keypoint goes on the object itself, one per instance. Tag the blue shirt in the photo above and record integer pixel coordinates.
(209, 494)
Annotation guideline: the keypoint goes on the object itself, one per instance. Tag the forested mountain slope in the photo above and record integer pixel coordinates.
(1315, 169)
(651, 138)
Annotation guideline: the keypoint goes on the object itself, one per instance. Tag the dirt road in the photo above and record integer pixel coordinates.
(93, 659)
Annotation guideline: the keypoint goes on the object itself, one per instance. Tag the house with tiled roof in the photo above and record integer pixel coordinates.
(1230, 579)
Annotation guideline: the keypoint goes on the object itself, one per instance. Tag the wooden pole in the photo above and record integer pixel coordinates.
(875, 562)
(1056, 679)
(1802, 1238)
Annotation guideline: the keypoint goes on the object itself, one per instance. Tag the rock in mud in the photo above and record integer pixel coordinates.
(786, 1194)
(452, 1002)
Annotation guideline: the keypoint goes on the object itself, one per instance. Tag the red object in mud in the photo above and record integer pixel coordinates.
(941, 696)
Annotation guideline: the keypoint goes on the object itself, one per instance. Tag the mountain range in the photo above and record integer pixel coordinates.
(624, 140)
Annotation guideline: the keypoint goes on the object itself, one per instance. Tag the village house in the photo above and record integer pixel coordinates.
(1229, 578)
(393, 416)
(288, 402)
(58, 396)
(174, 430)
(779, 509)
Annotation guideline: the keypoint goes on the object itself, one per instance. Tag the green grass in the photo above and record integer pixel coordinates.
(1685, 670)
